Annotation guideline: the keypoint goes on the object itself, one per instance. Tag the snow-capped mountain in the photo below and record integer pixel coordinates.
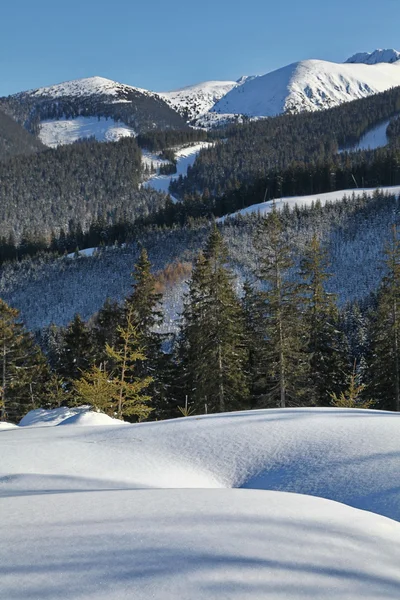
(308, 85)
(376, 57)
(84, 88)
(72, 108)
(194, 100)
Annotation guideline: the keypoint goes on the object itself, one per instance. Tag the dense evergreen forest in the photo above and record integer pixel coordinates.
(15, 140)
(270, 149)
(282, 342)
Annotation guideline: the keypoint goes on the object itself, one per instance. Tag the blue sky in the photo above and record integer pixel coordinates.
(162, 45)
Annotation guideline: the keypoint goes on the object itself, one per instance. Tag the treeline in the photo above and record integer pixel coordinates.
(160, 140)
(257, 149)
(282, 342)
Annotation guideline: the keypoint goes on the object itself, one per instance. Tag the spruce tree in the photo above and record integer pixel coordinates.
(77, 352)
(327, 345)
(385, 362)
(23, 371)
(286, 363)
(213, 354)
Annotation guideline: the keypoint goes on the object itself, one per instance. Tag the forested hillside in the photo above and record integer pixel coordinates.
(71, 187)
(274, 147)
(15, 140)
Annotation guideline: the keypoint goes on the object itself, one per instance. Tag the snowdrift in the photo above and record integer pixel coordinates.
(107, 512)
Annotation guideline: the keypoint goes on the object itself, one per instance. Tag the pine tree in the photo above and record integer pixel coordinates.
(23, 371)
(352, 396)
(144, 305)
(213, 353)
(255, 342)
(385, 362)
(281, 312)
(78, 351)
(327, 346)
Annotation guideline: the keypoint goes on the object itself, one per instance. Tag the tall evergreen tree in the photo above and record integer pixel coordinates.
(23, 371)
(385, 362)
(327, 345)
(281, 311)
(214, 357)
(78, 351)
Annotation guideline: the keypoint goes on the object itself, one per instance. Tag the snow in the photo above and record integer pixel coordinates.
(91, 419)
(194, 100)
(372, 139)
(185, 158)
(4, 425)
(85, 87)
(41, 417)
(264, 208)
(83, 253)
(308, 85)
(108, 513)
(373, 58)
(197, 545)
(55, 133)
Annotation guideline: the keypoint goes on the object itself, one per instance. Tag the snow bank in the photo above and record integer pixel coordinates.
(197, 545)
(42, 417)
(91, 419)
(345, 455)
(4, 425)
(265, 207)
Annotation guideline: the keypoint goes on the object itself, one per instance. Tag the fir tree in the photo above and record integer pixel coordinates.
(281, 312)
(214, 357)
(327, 346)
(385, 363)
(23, 372)
(78, 352)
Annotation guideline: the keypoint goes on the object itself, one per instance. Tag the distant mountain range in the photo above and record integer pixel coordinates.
(107, 110)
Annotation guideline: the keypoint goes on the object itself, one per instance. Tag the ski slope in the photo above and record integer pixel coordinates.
(55, 133)
(185, 159)
(372, 139)
(264, 208)
(94, 508)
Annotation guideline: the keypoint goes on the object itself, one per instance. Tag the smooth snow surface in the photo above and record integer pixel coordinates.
(308, 85)
(264, 208)
(42, 417)
(185, 159)
(55, 133)
(194, 100)
(194, 545)
(85, 513)
(343, 455)
(4, 425)
(90, 419)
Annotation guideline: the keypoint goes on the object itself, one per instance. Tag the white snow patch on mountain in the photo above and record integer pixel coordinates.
(85, 87)
(185, 159)
(308, 85)
(372, 139)
(194, 100)
(55, 133)
(375, 57)
(264, 208)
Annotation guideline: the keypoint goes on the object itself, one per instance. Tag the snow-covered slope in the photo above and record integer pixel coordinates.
(373, 58)
(85, 513)
(86, 87)
(193, 545)
(264, 208)
(308, 85)
(194, 100)
(55, 132)
(344, 455)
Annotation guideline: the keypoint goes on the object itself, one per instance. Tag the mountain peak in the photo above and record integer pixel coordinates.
(377, 56)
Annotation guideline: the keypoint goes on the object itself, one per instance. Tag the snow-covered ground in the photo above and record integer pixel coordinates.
(265, 207)
(55, 133)
(185, 159)
(308, 85)
(106, 512)
(194, 100)
(85, 513)
(374, 138)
